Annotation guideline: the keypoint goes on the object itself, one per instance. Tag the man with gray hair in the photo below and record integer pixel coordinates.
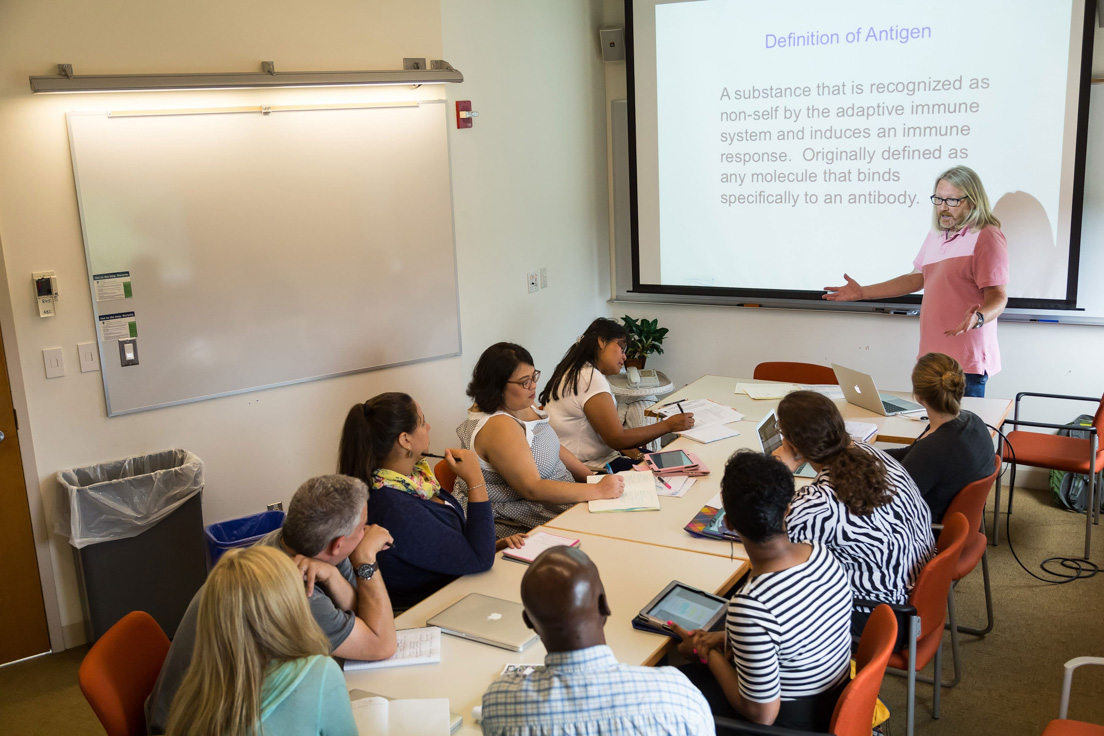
(963, 269)
(325, 534)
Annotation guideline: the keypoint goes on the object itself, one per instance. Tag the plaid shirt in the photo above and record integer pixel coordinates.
(587, 691)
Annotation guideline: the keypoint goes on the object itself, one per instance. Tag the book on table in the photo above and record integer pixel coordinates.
(640, 494)
(709, 522)
(536, 543)
(376, 715)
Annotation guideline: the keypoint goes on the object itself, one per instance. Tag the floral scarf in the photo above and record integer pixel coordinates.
(422, 483)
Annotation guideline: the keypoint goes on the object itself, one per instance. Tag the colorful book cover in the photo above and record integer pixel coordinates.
(709, 523)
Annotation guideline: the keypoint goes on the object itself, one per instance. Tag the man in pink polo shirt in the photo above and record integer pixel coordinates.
(963, 269)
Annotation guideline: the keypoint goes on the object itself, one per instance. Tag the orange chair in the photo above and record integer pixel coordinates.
(1062, 726)
(120, 670)
(1070, 454)
(970, 502)
(795, 373)
(855, 708)
(445, 476)
(927, 608)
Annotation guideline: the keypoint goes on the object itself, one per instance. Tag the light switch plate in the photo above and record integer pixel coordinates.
(531, 278)
(128, 352)
(89, 355)
(55, 362)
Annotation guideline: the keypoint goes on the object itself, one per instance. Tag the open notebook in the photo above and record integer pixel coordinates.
(640, 494)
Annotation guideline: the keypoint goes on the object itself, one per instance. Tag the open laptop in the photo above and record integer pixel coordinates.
(770, 439)
(859, 389)
(486, 619)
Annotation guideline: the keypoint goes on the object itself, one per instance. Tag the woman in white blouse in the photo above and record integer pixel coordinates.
(580, 403)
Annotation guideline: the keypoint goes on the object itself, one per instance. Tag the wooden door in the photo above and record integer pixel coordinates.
(23, 629)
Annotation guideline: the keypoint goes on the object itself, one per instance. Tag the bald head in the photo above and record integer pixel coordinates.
(564, 600)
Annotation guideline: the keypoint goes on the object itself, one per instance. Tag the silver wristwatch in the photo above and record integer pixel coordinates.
(980, 320)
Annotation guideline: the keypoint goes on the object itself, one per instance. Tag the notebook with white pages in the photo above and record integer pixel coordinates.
(415, 646)
(640, 494)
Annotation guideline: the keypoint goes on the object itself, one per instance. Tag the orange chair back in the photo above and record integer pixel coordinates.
(855, 708)
(445, 476)
(795, 373)
(970, 501)
(1098, 419)
(934, 583)
(120, 670)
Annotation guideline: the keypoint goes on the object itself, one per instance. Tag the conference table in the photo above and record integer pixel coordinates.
(637, 555)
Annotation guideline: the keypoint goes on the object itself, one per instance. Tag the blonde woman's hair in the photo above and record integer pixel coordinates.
(939, 382)
(253, 612)
(966, 179)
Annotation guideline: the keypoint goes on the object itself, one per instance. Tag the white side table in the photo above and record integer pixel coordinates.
(633, 401)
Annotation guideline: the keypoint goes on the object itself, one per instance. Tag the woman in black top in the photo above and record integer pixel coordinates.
(956, 448)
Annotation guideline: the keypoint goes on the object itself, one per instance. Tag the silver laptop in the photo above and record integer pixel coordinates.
(488, 620)
(859, 389)
(770, 439)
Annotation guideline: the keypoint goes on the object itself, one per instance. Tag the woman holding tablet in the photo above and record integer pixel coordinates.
(862, 505)
(530, 477)
(956, 448)
(581, 407)
(382, 444)
(261, 663)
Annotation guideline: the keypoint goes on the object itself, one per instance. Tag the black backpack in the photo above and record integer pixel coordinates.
(1071, 490)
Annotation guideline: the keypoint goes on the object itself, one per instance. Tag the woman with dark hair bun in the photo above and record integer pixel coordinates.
(956, 448)
(530, 477)
(382, 444)
(581, 406)
(862, 504)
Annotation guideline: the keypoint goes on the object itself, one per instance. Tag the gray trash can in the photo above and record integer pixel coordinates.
(137, 529)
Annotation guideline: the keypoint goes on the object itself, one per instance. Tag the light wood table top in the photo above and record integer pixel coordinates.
(632, 572)
(665, 527)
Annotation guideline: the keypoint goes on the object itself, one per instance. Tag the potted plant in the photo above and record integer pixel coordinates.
(645, 338)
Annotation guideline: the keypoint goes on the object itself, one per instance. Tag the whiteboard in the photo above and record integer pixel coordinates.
(265, 249)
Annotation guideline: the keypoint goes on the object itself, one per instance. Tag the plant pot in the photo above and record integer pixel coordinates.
(637, 363)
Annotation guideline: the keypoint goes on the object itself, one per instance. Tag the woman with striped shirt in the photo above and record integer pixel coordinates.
(784, 656)
(862, 505)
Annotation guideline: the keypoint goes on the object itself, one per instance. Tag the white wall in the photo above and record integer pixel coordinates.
(529, 191)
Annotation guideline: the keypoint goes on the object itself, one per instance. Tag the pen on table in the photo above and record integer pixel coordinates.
(440, 457)
(660, 479)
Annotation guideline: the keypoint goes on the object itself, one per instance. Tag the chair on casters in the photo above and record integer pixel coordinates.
(795, 373)
(119, 671)
(855, 708)
(970, 502)
(444, 475)
(927, 611)
(1062, 726)
(1070, 454)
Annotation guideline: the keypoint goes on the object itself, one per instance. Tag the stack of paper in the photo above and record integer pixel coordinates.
(415, 646)
(535, 544)
(710, 433)
(639, 495)
(382, 717)
(759, 391)
(674, 486)
(831, 390)
(861, 431)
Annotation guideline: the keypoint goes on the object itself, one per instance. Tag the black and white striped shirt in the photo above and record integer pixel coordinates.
(882, 552)
(790, 631)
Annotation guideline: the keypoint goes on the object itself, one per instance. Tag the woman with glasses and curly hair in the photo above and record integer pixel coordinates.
(530, 477)
(862, 505)
(261, 664)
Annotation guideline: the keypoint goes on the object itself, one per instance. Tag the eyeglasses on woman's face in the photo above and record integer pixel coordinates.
(528, 382)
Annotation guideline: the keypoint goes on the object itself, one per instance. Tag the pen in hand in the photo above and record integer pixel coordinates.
(440, 457)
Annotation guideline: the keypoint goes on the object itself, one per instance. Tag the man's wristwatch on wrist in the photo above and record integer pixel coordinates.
(980, 320)
(366, 571)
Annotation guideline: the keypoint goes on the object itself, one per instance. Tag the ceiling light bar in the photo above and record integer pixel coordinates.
(439, 72)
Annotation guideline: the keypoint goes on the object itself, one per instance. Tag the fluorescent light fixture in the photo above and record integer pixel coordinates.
(416, 73)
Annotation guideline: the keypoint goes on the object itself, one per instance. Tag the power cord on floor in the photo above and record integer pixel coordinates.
(1082, 568)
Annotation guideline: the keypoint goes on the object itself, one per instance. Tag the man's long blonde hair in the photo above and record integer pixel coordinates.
(966, 179)
(253, 612)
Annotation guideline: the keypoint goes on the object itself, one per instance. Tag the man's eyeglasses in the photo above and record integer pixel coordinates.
(529, 381)
(951, 201)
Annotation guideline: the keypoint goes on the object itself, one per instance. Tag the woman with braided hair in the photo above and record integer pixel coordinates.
(862, 505)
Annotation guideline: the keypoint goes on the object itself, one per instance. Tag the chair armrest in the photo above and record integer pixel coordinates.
(1016, 422)
(1067, 680)
(732, 726)
(1094, 399)
(902, 608)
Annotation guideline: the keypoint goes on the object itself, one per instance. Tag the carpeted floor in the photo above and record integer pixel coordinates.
(1012, 677)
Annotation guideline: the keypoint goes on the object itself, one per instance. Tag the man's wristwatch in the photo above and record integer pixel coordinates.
(980, 320)
(367, 570)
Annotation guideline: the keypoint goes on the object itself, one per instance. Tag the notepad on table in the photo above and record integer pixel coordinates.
(759, 391)
(375, 716)
(710, 433)
(706, 412)
(861, 431)
(640, 494)
(415, 646)
(536, 543)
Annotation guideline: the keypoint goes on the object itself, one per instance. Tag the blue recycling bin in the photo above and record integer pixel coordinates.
(242, 532)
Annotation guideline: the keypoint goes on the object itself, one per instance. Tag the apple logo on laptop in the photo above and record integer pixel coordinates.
(494, 616)
(857, 389)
